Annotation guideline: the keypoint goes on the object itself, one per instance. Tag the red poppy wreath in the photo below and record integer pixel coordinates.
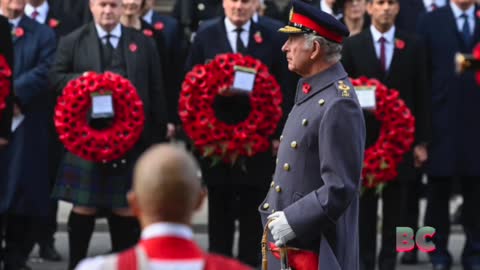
(396, 135)
(71, 119)
(215, 138)
(5, 85)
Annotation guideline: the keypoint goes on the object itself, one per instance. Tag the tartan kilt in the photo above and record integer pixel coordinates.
(89, 184)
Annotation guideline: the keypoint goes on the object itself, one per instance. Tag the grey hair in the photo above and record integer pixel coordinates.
(332, 50)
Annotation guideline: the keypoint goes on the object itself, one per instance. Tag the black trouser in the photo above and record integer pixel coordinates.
(18, 240)
(411, 193)
(391, 197)
(227, 204)
(437, 216)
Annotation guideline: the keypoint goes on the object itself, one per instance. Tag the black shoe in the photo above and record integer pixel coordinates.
(409, 258)
(49, 253)
(441, 267)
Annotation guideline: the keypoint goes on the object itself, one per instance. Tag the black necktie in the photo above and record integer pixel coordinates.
(240, 46)
(107, 50)
(466, 30)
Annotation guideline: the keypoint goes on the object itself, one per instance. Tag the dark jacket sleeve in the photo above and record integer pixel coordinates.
(341, 140)
(422, 97)
(34, 82)
(6, 49)
(61, 71)
(159, 111)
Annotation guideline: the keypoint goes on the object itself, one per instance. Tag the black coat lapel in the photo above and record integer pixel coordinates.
(371, 56)
(223, 36)
(92, 48)
(130, 52)
(396, 58)
(451, 21)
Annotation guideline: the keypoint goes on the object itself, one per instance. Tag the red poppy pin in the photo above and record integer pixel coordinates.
(133, 47)
(148, 32)
(306, 88)
(478, 13)
(53, 23)
(159, 26)
(399, 44)
(258, 37)
(19, 32)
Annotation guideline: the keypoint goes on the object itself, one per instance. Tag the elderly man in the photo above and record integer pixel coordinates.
(166, 191)
(100, 46)
(312, 205)
(234, 192)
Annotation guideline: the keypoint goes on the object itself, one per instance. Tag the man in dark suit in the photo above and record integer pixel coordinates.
(234, 193)
(25, 192)
(412, 10)
(42, 12)
(453, 151)
(100, 46)
(169, 28)
(396, 59)
(6, 50)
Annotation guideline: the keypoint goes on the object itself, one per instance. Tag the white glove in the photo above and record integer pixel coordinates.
(280, 229)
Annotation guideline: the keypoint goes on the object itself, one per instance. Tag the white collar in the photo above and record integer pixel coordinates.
(457, 12)
(15, 21)
(326, 8)
(116, 32)
(389, 35)
(148, 17)
(167, 229)
(230, 27)
(255, 17)
(42, 9)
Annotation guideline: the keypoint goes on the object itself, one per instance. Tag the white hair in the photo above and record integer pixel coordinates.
(332, 50)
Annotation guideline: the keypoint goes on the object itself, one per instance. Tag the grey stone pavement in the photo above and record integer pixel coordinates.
(100, 243)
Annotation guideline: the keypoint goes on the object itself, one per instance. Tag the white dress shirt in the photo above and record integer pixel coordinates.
(153, 231)
(457, 13)
(232, 34)
(116, 34)
(42, 11)
(389, 44)
(148, 17)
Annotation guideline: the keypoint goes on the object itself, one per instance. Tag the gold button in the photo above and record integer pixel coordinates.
(201, 6)
(266, 206)
(321, 102)
(272, 184)
(273, 211)
(281, 137)
(294, 145)
(286, 167)
(305, 122)
(278, 189)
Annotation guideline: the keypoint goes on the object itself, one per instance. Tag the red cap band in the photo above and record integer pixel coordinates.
(309, 23)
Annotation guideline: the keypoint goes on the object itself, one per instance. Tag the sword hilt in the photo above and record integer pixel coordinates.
(466, 62)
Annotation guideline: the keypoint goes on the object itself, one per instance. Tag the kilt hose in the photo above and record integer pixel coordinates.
(89, 184)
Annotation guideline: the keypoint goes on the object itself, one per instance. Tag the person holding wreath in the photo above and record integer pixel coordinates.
(100, 46)
(235, 191)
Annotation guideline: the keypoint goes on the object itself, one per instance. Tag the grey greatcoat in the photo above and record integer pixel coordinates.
(317, 177)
